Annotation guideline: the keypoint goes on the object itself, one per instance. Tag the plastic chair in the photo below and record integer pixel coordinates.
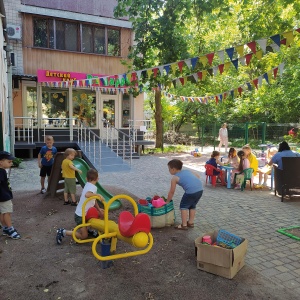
(210, 174)
(247, 177)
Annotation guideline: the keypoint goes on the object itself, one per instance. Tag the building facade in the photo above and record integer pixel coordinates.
(66, 64)
(5, 94)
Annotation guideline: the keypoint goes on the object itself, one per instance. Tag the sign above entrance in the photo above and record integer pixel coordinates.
(64, 79)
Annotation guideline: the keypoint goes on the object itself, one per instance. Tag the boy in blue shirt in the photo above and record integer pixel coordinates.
(193, 191)
(45, 160)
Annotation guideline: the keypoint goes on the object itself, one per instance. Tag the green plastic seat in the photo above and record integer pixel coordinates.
(247, 176)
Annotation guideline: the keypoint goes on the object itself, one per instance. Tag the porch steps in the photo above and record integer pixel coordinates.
(109, 160)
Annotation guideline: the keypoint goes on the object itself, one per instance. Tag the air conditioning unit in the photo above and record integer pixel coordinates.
(13, 31)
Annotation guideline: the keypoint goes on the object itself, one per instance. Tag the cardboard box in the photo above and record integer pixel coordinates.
(220, 261)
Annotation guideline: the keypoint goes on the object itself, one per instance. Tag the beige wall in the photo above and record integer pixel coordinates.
(35, 58)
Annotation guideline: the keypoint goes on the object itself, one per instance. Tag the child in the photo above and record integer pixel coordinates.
(6, 206)
(214, 161)
(68, 173)
(244, 164)
(266, 170)
(88, 191)
(252, 158)
(233, 159)
(193, 190)
(45, 160)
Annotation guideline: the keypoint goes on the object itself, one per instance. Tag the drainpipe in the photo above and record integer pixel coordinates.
(9, 100)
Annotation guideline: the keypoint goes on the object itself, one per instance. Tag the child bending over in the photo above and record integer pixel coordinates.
(193, 190)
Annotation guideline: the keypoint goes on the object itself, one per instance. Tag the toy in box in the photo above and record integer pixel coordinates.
(224, 260)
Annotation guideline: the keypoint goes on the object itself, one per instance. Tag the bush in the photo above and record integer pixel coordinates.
(292, 139)
(172, 137)
(17, 161)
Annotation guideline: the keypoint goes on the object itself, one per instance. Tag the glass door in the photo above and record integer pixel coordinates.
(109, 115)
(31, 107)
(109, 111)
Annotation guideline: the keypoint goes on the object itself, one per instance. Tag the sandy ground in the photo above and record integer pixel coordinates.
(35, 267)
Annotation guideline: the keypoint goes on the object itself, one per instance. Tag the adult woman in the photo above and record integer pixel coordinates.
(223, 137)
(284, 150)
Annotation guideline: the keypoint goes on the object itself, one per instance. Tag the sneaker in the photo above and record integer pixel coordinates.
(59, 235)
(43, 191)
(13, 234)
(93, 233)
(5, 232)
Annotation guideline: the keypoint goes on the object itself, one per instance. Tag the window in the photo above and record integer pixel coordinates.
(93, 39)
(31, 102)
(43, 33)
(113, 37)
(66, 36)
(87, 39)
(84, 106)
(99, 39)
(62, 35)
(55, 108)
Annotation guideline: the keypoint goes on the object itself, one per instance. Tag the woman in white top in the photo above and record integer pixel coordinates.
(223, 137)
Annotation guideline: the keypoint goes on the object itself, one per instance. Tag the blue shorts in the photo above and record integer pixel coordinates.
(189, 201)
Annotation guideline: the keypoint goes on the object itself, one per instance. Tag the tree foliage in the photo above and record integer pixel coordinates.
(172, 30)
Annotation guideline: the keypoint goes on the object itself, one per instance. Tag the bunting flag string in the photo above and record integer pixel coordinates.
(235, 55)
(221, 68)
(220, 97)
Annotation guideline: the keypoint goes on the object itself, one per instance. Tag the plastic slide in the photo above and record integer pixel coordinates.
(84, 167)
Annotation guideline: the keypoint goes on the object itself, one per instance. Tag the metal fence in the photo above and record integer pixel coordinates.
(241, 133)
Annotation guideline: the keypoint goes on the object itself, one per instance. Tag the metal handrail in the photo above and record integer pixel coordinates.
(112, 135)
(58, 123)
(90, 140)
(88, 137)
(27, 129)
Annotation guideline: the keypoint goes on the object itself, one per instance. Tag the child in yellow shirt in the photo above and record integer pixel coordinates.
(68, 173)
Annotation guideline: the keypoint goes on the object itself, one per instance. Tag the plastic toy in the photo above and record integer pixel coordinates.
(196, 153)
(158, 202)
(132, 229)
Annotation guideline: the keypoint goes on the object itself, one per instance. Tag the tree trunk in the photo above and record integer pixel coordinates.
(158, 120)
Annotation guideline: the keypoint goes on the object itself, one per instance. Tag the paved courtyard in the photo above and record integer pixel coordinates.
(255, 215)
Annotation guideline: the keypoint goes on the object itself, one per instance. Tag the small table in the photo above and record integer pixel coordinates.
(228, 172)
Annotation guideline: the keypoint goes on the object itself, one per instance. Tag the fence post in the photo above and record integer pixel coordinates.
(263, 138)
(214, 132)
(246, 133)
(202, 137)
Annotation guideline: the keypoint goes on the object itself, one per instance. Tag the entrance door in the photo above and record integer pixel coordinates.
(109, 115)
